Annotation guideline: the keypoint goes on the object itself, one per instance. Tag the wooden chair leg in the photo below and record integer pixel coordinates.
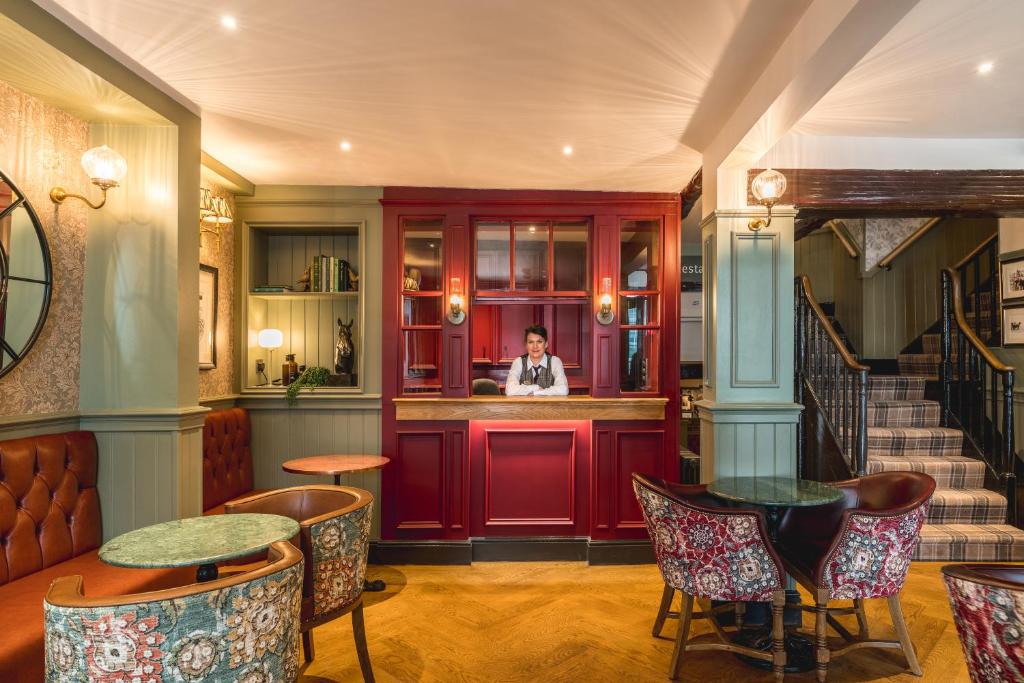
(666, 604)
(307, 646)
(862, 619)
(685, 612)
(896, 610)
(778, 636)
(820, 633)
(359, 631)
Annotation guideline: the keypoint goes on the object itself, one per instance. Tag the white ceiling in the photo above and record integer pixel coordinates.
(485, 93)
(921, 80)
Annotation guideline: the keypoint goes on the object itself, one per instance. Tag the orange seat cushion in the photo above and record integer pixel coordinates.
(21, 648)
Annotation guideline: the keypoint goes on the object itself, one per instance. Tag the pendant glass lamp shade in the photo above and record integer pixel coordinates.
(104, 166)
(768, 186)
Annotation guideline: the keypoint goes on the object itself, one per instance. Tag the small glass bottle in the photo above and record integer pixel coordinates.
(289, 370)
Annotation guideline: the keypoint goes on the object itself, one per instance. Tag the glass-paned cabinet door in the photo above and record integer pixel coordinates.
(570, 256)
(493, 239)
(422, 298)
(638, 366)
(638, 309)
(531, 257)
(639, 255)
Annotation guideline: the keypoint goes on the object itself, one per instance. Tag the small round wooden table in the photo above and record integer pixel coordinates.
(338, 465)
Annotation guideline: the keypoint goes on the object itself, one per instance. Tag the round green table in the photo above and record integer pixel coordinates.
(200, 541)
(775, 495)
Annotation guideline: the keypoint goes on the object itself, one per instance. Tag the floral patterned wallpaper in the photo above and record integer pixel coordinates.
(220, 253)
(41, 146)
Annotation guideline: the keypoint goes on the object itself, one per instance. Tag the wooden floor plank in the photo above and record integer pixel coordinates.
(566, 621)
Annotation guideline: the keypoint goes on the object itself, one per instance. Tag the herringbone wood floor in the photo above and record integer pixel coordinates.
(556, 621)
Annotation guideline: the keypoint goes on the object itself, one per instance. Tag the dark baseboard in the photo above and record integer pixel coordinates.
(533, 549)
(621, 552)
(421, 552)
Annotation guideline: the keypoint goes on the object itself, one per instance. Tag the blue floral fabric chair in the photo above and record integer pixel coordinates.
(708, 552)
(243, 628)
(335, 539)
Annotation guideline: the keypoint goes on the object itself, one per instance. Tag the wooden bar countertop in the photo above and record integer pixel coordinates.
(530, 408)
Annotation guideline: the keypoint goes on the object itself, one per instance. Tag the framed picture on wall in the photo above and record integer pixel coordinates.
(207, 317)
(1012, 276)
(1013, 326)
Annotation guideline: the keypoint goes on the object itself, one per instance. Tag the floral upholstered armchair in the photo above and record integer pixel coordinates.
(857, 548)
(241, 628)
(988, 608)
(711, 552)
(335, 539)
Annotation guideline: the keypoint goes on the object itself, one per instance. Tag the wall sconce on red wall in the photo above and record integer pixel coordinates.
(456, 316)
(605, 316)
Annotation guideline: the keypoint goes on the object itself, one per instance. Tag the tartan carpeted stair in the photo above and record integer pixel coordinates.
(966, 522)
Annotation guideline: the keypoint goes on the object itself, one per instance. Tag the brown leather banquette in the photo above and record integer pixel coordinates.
(50, 527)
(227, 459)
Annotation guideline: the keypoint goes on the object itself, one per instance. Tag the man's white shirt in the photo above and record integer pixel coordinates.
(559, 388)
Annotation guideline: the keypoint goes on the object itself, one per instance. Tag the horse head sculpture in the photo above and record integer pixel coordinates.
(344, 349)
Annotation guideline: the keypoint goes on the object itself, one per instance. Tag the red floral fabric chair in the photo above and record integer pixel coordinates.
(710, 553)
(857, 548)
(334, 536)
(244, 627)
(988, 608)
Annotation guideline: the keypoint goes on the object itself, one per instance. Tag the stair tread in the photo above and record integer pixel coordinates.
(970, 543)
(964, 494)
(915, 431)
(948, 471)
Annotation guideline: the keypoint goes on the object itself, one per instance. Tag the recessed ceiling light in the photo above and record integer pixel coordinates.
(985, 67)
(229, 22)
(567, 150)
(345, 145)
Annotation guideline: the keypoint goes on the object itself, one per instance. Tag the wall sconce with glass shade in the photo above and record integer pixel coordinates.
(767, 188)
(456, 316)
(104, 166)
(268, 338)
(605, 316)
(213, 212)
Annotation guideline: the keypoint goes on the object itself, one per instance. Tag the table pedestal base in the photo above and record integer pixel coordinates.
(799, 649)
(375, 586)
(206, 572)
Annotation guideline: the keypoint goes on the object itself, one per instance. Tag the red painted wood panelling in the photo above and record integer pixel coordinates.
(635, 451)
(602, 455)
(456, 337)
(544, 459)
(483, 335)
(514, 319)
(458, 483)
(606, 344)
(621, 448)
(567, 334)
(529, 479)
(420, 483)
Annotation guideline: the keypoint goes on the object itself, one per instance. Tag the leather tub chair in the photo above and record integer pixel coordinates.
(988, 608)
(708, 551)
(858, 548)
(243, 627)
(335, 539)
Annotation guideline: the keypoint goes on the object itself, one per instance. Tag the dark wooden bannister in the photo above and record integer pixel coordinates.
(832, 436)
(977, 388)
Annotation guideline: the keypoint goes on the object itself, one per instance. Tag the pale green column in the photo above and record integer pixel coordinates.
(748, 417)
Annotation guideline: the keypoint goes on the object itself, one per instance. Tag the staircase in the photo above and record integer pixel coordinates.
(923, 357)
(968, 516)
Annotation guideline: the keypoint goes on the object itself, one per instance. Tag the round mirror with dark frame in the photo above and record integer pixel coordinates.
(26, 275)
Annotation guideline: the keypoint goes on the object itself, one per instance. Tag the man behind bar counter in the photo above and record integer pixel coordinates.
(536, 372)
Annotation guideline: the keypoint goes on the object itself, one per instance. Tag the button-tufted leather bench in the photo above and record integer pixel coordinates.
(50, 527)
(227, 459)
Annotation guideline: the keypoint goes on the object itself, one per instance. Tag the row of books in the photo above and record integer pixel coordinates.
(330, 274)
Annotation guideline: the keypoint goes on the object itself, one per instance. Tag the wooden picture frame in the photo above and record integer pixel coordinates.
(208, 300)
(1011, 278)
(1013, 326)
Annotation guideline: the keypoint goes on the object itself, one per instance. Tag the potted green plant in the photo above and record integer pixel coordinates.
(311, 377)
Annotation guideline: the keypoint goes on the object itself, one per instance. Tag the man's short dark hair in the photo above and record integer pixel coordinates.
(539, 330)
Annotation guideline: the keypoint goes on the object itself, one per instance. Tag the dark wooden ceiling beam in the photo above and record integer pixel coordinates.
(834, 193)
(691, 193)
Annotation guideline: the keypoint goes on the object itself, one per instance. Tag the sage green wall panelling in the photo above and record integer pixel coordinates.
(710, 255)
(901, 303)
(745, 440)
(813, 258)
(848, 294)
(755, 310)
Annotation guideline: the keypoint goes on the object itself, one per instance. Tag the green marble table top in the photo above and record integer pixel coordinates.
(774, 491)
(197, 540)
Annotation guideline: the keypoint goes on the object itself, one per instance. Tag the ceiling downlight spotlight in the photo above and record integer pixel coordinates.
(985, 68)
(567, 150)
(229, 22)
(345, 146)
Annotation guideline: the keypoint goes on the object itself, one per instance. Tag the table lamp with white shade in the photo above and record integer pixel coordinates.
(269, 338)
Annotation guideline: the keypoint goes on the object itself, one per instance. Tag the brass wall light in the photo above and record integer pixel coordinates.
(213, 212)
(105, 167)
(605, 316)
(456, 316)
(767, 188)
